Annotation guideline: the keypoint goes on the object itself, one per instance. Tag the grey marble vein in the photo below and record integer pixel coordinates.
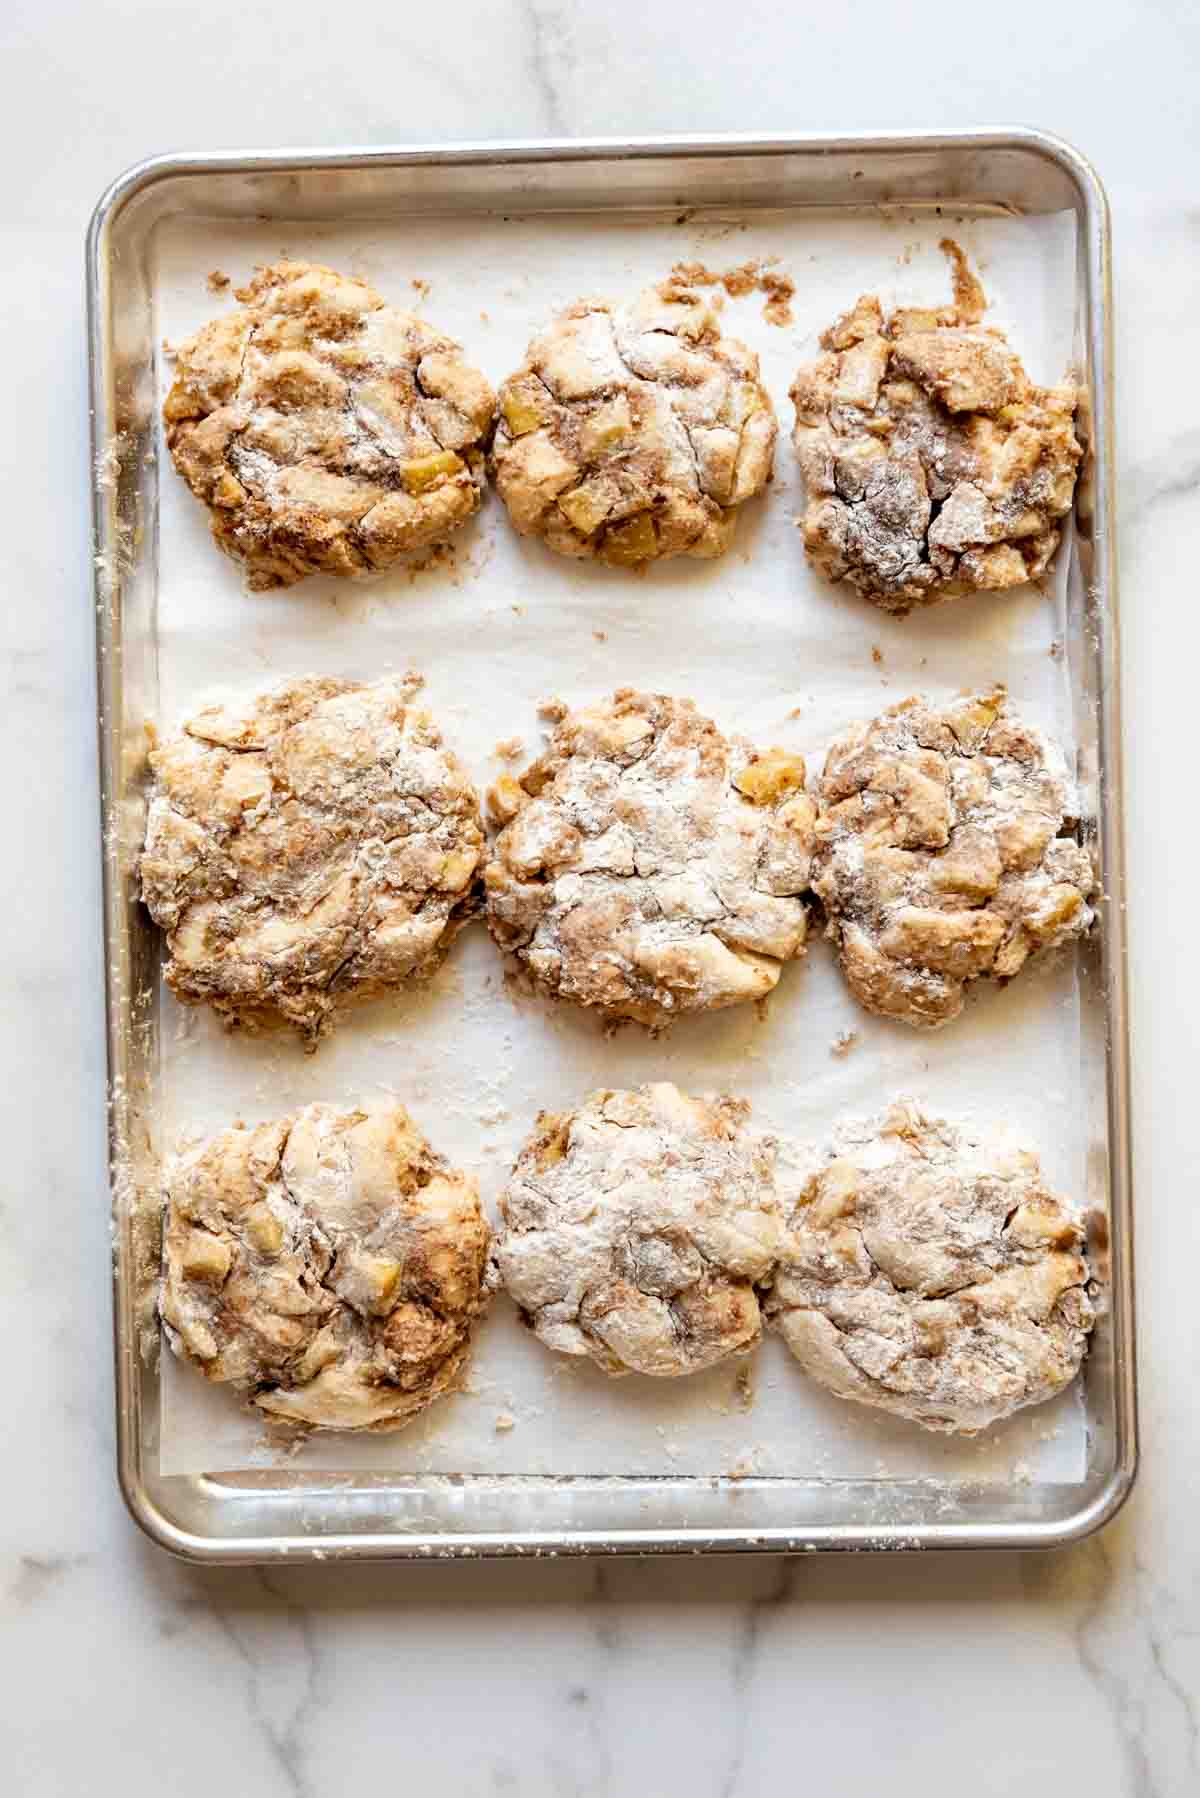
(1159, 1640)
(588, 1722)
(1130, 1630)
(547, 60)
(1111, 1679)
(581, 1763)
(603, 1618)
(1173, 473)
(281, 1711)
(749, 1631)
(37, 1574)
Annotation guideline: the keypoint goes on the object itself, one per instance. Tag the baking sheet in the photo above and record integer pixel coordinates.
(755, 638)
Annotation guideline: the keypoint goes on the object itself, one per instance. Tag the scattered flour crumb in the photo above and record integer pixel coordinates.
(553, 708)
(779, 291)
(108, 464)
(600, 636)
(876, 654)
(510, 750)
(744, 278)
(218, 281)
(843, 1042)
(743, 1387)
(505, 1421)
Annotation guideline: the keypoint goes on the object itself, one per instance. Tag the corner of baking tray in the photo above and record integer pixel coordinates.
(127, 186)
(1079, 171)
(153, 1523)
(1101, 1509)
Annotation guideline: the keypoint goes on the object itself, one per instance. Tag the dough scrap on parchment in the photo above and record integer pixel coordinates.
(933, 465)
(315, 845)
(634, 432)
(326, 432)
(637, 1228)
(329, 1265)
(648, 866)
(942, 855)
(931, 1272)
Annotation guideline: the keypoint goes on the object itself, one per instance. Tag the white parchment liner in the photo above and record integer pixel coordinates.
(767, 649)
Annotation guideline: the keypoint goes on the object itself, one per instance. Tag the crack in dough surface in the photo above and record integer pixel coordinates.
(930, 1272)
(328, 1265)
(317, 845)
(636, 1229)
(648, 866)
(933, 465)
(326, 432)
(942, 854)
(634, 432)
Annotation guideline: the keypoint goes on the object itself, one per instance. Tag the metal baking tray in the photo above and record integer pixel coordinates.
(259, 1516)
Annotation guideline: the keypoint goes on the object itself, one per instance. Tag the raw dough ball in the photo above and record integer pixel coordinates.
(326, 432)
(328, 1265)
(933, 1274)
(934, 465)
(634, 432)
(637, 1228)
(939, 855)
(316, 845)
(650, 867)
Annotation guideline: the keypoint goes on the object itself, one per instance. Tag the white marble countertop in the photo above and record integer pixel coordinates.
(126, 1672)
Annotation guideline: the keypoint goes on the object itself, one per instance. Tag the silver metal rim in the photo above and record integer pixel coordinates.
(1093, 213)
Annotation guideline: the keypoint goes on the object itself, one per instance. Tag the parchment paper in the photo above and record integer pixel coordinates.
(767, 649)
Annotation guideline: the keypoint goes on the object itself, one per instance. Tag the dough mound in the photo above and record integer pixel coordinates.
(933, 1274)
(933, 465)
(648, 867)
(634, 432)
(314, 846)
(636, 1229)
(940, 853)
(326, 432)
(328, 1265)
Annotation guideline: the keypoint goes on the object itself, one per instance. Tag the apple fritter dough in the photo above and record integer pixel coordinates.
(647, 866)
(314, 846)
(634, 432)
(329, 1265)
(636, 1229)
(933, 465)
(941, 853)
(933, 1274)
(326, 432)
